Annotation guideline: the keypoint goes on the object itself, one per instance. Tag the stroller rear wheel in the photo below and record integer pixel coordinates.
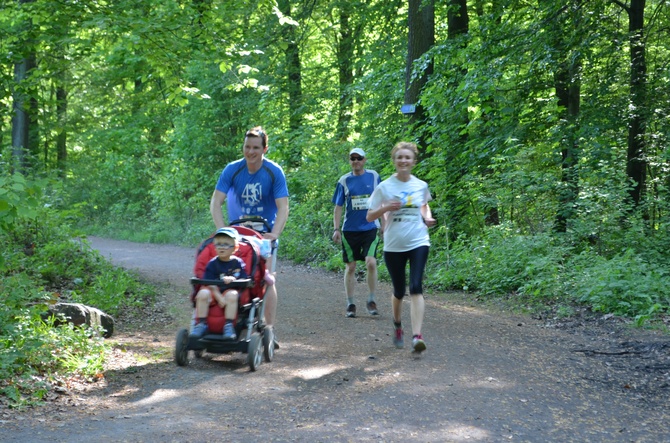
(254, 357)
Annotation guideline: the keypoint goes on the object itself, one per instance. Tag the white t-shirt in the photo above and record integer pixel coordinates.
(405, 229)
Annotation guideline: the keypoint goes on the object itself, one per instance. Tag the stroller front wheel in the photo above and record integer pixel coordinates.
(181, 348)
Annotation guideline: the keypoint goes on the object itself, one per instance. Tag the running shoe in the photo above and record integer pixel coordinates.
(275, 342)
(418, 344)
(229, 331)
(199, 330)
(398, 340)
(351, 311)
(372, 308)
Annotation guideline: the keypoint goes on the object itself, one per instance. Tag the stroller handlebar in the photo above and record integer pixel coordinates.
(241, 283)
(252, 222)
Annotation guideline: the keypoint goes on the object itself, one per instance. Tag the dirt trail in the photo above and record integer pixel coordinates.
(486, 377)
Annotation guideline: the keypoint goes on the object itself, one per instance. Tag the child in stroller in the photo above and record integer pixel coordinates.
(227, 268)
(229, 308)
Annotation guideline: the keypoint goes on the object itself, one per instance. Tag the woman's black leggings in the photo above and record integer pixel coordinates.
(396, 262)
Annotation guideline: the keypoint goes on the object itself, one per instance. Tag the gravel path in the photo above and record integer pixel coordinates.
(486, 376)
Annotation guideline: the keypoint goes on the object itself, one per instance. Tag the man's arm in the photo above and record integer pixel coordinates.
(337, 217)
(280, 221)
(215, 205)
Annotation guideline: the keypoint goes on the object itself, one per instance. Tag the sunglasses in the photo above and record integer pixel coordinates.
(355, 158)
(223, 245)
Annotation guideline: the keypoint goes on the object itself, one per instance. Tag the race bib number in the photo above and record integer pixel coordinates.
(407, 215)
(359, 202)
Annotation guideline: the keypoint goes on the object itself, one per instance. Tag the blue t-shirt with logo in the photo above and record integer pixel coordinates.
(252, 194)
(355, 191)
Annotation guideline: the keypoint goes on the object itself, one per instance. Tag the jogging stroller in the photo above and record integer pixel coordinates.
(254, 338)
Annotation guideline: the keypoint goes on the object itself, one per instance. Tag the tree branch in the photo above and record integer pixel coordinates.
(622, 4)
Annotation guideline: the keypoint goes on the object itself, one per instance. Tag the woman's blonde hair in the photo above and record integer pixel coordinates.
(405, 145)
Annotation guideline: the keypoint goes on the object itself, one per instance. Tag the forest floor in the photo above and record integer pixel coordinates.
(487, 375)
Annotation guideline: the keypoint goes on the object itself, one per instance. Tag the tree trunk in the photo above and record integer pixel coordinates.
(568, 87)
(294, 83)
(24, 106)
(636, 166)
(458, 26)
(420, 38)
(61, 138)
(23, 115)
(567, 82)
(457, 19)
(345, 57)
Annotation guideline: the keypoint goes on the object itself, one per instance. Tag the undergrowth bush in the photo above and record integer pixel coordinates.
(42, 262)
(502, 262)
(624, 285)
(546, 268)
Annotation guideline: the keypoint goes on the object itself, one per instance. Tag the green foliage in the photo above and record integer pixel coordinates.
(310, 225)
(81, 275)
(625, 285)
(545, 269)
(43, 263)
(504, 262)
(34, 354)
(19, 199)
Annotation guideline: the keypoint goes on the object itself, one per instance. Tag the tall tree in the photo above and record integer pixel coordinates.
(293, 81)
(458, 27)
(420, 38)
(24, 101)
(61, 137)
(492, 216)
(564, 25)
(345, 59)
(636, 165)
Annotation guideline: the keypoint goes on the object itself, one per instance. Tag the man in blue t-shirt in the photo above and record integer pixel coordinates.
(358, 236)
(255, 186)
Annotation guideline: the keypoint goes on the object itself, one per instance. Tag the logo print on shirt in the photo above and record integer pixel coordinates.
(405, 198)
(252, 194)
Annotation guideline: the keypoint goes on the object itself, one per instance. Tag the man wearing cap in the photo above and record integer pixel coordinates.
(227, 268)
(254, 186)
(358, 236)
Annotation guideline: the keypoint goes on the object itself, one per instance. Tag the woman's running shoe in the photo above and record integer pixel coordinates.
(398, 340)
(418, 344)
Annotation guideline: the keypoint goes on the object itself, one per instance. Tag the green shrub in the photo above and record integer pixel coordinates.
(624, 285)
(544, 268)
(503, 262)
(39, 264)
(33, 353)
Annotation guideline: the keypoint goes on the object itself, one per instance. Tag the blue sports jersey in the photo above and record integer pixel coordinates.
(252, 194)
(355, 190)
